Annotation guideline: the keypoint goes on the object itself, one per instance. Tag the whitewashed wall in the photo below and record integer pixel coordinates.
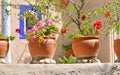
(0, 16)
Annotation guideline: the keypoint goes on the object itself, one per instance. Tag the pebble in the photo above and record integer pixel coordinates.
(3, 61)
(43, 61)
(89, 60)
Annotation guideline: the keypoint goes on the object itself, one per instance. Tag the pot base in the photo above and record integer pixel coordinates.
(3, 61)
(88, 60)
(39, 60)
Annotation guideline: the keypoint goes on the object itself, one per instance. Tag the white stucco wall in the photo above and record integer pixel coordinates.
(0, 16)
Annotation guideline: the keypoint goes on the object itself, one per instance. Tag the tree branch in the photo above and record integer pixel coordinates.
(71, 16)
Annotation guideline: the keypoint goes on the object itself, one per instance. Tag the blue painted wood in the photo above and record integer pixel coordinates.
(23, 9)
(6, 27)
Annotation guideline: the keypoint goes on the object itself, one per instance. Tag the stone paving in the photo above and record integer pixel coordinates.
(60, 69)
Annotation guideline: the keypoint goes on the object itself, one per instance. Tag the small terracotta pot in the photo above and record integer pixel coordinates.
(4, 46)
(68, 53)
(44, 50)
(117, 47)
(64, 2)
(86, 46)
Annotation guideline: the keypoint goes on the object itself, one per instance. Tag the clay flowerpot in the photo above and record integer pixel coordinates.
(117, 47)
(4, 46)
(64, 2)
(44, 50)
(85, 46)
(68, 53)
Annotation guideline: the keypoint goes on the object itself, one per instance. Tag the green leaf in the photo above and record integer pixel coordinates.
(65, 60)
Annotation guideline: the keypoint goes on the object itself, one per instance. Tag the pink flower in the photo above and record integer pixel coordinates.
(49, 22)
(35, 28)
(33, 38)
(29, 31)
(40, 23)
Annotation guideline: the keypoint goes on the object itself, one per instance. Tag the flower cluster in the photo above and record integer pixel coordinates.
(40, 30)
(98, 24)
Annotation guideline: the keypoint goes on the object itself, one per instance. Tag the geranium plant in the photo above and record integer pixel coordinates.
(87, 21)
(40, 30)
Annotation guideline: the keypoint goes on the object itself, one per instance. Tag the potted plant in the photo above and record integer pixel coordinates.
(41, 36)
(68, 50)
(4, 46)
(42, 40)
(117, 29)
(85, 39)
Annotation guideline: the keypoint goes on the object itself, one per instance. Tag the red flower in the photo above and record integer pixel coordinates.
(17, 30)
(98, 24)
(83, 17)
(107, 14)
(63, 30)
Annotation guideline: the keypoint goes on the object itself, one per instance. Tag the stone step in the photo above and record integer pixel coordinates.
(60, 69)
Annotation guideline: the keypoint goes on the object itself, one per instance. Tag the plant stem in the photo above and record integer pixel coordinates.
(79, 11)
(83, 3)
(71, 16)
(117, 15)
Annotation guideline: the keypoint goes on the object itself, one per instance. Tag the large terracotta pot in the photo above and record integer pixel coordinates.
(85, 46)
(44, 50)
(64, 2)
(117, 47)
(4, 46)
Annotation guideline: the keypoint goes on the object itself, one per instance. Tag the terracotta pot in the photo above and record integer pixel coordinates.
(44, 50)
(86, 46)
(64, 2)
(117, 47)
(4, 46)
(68, 53)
